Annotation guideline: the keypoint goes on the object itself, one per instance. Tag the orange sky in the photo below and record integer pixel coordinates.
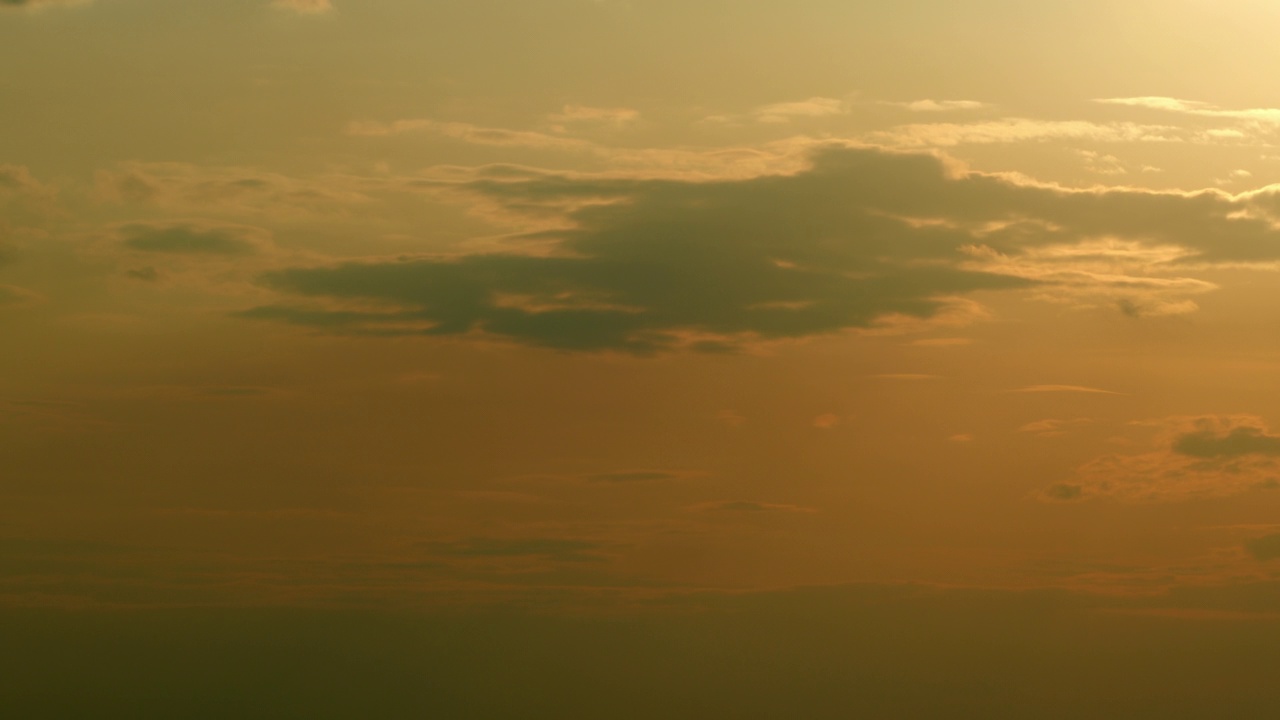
(638, 308)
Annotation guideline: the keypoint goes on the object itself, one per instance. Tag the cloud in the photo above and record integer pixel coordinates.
(786, 112)
(1108, 273)
(192, 239)
(17, 180)
(1052, 427)
(39, 4)
(1216, 442)
(1063, 389)
(851, 651)
(906, 376)
(305, 7)
(1064, 492)
(1266, 547)
(614, 477)
(192, 189)
(587, 114)
(1101, 163)
(826, 421)
(473, 134)
(667, 264)
(24, 200)
(731, 418)
(145, 274)
(1199, 457)
(812, 108)
(633, 476)
(859, 239)
(750, 506)
(633, 162)
(233, 391)
(13, 295)
(1192, 107)
(942, 105)
(1017, 130)
(557, 549)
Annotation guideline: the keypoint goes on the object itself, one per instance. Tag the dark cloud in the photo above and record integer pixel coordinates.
(1234, 443)
(1266, 547)
(861, 235)
(669, 263)
(645, 266)
(1064, 492)
(145, 274)
(1193, 458)
(192, 239)
(829, 653)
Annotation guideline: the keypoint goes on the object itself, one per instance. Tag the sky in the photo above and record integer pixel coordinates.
(626, 358)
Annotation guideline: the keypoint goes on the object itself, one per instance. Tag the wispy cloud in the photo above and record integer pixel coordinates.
(750, 507)
(1063, 389)
(826, 421)
(466, 132)
(906, 376)
(587, 114)
(198, 190)
(1019, 130)
(569, 550)
(634, 476)
(305, 7)
(786, 112)
(1052, 427)
(1192, 107)
(1193, 458)
(39, 4)
(811, 108)
(942, 105)
(13, 295)
(1108, 273)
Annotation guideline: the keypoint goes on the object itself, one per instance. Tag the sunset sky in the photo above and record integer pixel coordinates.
(639, 358)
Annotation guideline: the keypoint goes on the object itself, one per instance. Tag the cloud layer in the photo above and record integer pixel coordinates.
(652, 265)
(1214, 456)
(860, 236)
